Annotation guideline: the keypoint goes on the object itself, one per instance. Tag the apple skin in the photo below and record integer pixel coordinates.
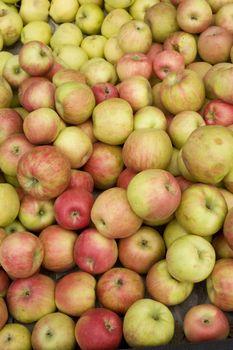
(104, 91)
(200, 68)
(173, 230)
(4, 282)
(118, 288)
(112, 214)
(141, 250)
(17, 335)
(36, 92)
(99, 70)
(190, 258)
(219, 284)
(222, 248)
(104, 165)
(3, 313)
(55, 330)
(11, 151)
(150, 117)
(105, 326)
(87, 128)
(89, 18)
(5, 93)
(80, 178)
(217, 112)
(69, 286)
(65, 75)
(36, 171)
(21, 254)
(125, 177)
(10, 123)
(148, 192)
(58, 244)
(228, 196)
(131, 64)
(228, 227)
(166, 62)
(205, 322)
(72, 208)
(13, 73)
(113, 22)
(94, 253)
(148, 323)
(186, 88)
(223, 17)
(162, 287)
(61, 13)
(214, 45)
(194, 17)
(9, 204)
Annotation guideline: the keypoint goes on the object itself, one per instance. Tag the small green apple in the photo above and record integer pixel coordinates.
(36, 30)
(73, 56)
(113, 22)
(89, 18)
(34, 10)
(62, 12)
(66, 34)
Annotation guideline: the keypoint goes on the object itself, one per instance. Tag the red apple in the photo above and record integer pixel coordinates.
(3, 313)
(125, 177)
(131, 64)
(95, 253)
(166, 62)
(4, 282)
(221, 247)
(218, 112)
(104, 91)
(10, 123)
(104, 325)
(36, 172)
(73, 208)
(80, 178)
(183, 183)
(154, 50)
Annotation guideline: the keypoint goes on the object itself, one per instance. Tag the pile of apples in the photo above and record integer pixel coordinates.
(116, 172)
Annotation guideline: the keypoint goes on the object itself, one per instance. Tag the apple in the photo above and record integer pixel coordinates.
(112, 121)
(182, 125)
(112, 50)
(60, 13)
(29, 299)
(228, 181)
(72, 56)
(148, 323)
(194, 17)
(228, 196)
(214, 44)
(81, 178)
(138, 8)
(125, 177)
(36, 30)
(36, 170)
(34, 11)
(172, 231)
(134, 36)
(69, 286)
(217, 112)
(75, 145)
(141, 250)
(190, 258)
(3, 313)
(87, 128)
(161, 18)
(98, 70)
(21, 254)
(58, 246)
(4, 56)
(72, 208)
(136, 90)
(104, 165)
(206, 148)
(222, 248)
(182, 91)
(15, 226)
(9, 204)
(104, 91)
(156, 89)
(15, 335)
(167, 61)
(162, 287)
(150, 117)
(147, 149)
(219, 283)
(183, 43)
(36, 214)
(95, 253)
(6, 94)
(113, 21)
(131, 64)
(89, 18)
(4, 282)
(11, 151)
(74, 102)
(42, 126)
(217, 4)
(36, 92)
(228, 227)
(118, 288)
(205, 322)
(112, 214)
(10, 123)
(13, 73)
(66, 34)
(120, 3)
(55, 330)
(201, 68)
(154, 194)
(66, 75)
(106, 324)
(93, 45)
(223, 17)
(11, 25)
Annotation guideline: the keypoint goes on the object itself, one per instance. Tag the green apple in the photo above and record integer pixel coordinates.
(1, 42)
(15, 226)
(173, 231)
(173, 166)
(9, 204)
(183, 169)
(34, 10)
(112, 50)
(119, 3)
(89, 18)
(6, 93)
(217, 4)
(228, 180)
(11, 25)
(97, 2)
(62, 12)
(98, 70)
(150, 117)
(73, 56)
(4, 56)
(94, 45)
(15, 336)
(190, 258)
(113, 21)
(36, 30)
(12, 180)
(139, 7)
(66, 34)
(148, 323)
